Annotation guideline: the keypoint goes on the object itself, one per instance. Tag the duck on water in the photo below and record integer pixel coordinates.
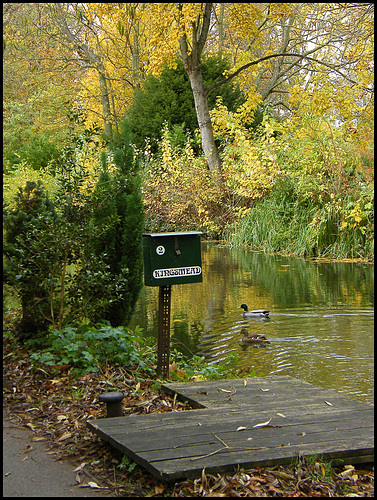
(256, 313)
(252, 339)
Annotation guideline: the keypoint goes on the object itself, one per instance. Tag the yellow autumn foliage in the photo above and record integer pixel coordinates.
(249, 166)
(178, 191)
(18, 179)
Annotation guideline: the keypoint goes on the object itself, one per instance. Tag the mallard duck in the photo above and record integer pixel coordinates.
(257, 312)
(253, 339)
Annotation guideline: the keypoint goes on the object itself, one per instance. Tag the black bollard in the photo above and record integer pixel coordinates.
(113, 402)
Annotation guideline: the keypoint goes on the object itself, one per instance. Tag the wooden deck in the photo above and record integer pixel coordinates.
(225, 433)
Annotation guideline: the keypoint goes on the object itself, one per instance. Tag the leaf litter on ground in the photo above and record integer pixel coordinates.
(56, 408)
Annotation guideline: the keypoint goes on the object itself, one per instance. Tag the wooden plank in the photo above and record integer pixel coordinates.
(258, 389)
(291, 434)
(207, 418)
(180, 444)
(189, 433)
(337, 452)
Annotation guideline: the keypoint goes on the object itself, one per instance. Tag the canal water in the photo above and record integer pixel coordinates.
(321, 324)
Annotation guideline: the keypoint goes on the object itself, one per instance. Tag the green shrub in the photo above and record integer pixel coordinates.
(77, 255)
(31, 253)
(86, 347)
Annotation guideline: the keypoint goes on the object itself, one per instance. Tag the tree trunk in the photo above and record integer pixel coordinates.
(105, 102)
(204, 122)
(191, 62)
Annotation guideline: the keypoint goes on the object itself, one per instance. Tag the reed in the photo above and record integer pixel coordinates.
(305, 230)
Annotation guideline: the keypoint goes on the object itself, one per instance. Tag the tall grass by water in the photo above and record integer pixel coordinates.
(282, 225)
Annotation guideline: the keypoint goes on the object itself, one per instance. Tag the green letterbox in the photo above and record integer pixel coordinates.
(172, 258)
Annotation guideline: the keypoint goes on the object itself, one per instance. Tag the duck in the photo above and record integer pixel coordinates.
(253, 339)
(256, 313)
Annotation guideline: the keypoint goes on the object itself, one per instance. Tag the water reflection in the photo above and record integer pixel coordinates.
(321, 316)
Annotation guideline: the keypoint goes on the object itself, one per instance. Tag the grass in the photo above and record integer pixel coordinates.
(305, 230)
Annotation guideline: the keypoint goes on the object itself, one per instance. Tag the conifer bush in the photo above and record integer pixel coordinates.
(30, 255)
(76, 256)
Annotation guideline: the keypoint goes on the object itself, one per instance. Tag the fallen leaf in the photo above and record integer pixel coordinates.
(244, 382)
(92, 484)
(303, 434)
(328, 403)
(263, 424)
(283, 475)
(241, 428)
(224, 390)
(265, 390)
(281, 415)
(31, 426)
(159, 489)
(65, 436)
(275, 490)
(80, 467)
(348, 472)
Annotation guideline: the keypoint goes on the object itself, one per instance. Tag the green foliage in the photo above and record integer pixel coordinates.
(317, 200)
(119, 212)
(36, 151)
(17, 178)
(86, 347)
(79, 255)
(292, 189)
(169, 99)
(31, 253)
(280, 224)
(127, 464)
(22, 143)
(196, 368)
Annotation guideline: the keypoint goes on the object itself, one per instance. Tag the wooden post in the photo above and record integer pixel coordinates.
(163, 347)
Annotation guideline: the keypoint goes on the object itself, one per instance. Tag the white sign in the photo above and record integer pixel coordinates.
(177, 272)
(160, 250)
